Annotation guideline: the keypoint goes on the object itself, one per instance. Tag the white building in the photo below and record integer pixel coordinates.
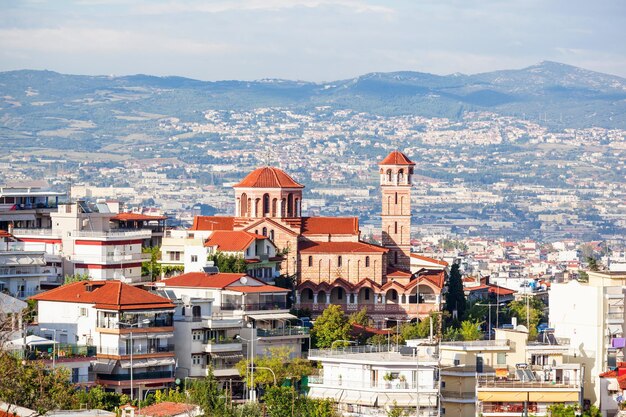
(84, 238)
(215, 308)
(128, 326)
(368, 381)
(591, 315)
(23, 272)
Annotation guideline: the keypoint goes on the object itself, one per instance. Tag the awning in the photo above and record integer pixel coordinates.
(148, 335)
(16, 217)
(272, 316)
(144, 363)
(359, 397)
(614, 329)
(332, 393)
(226, 355)
(31, 340)
(103, 366)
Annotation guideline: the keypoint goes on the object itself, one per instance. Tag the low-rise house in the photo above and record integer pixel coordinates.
(130, 328)
(370, 380)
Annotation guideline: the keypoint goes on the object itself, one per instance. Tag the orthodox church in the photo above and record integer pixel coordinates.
(331, 263)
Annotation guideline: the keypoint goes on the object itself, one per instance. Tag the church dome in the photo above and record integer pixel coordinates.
(268, 177)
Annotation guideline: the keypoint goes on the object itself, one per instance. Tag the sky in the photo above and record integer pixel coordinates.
(312, 40)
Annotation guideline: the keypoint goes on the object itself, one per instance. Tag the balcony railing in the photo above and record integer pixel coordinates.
(280, 305)
(287, 331)
(64, 351)
(137, 376)
(143, 233)
(394, 385)
(137, 350)
(458, 395)
(508, 383)
(348, 350)
(138, 257)
(36, 232)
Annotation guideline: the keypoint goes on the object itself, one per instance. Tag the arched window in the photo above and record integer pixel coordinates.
(389, 175)
(289, 205)
(266, 204)
(310, 260)
(256, 231)
(339, 261)
(367, 261)
(395, 227)
(401, 176)
(339, 293)
(195, 311)
(367, 293)
(396, 198)
(274, 205)
(265, 231)
(272, 235)
(244, 205)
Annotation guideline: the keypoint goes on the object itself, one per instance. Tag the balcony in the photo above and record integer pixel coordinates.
(36, 232)
(458, 397)
(137, 376)
(614, 316)
(212, 346)
(113, 234)
(287, 331)
(279, 305)
(138, 350)
(110, 259)
(394, 385)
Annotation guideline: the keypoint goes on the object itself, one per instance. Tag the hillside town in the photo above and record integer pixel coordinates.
(269, 292)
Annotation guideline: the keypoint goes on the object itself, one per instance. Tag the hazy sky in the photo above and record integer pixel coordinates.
(316, 40)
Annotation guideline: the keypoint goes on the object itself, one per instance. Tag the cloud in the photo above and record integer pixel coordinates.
(83, 40)
(174, 7)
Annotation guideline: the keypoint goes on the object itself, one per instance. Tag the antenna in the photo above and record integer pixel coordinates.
(267, 157)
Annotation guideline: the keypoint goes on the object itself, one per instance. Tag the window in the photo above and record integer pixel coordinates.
(84, 312)
(196, 335)
(196, 359)
(310, 260)
(443, 384)
(395, 256)
(272, 235)
(339, 293)
(501, 358)
(396, 198)
(395, 227)
(367, 261)
(265, 231)
(367, 293)
(194, 258)
(339, 261)
(457, 362)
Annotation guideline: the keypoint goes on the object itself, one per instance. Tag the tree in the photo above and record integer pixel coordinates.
(32, 385)
(209, 396)
(455, 297)
(470, 330)
(562, 410)
(228, 263)
(76, 278)
(359, 317)
(395, 411)
(282, 402)
(331, 326)
(151, 267)
(278, 361)
(518, 309)
(592, 264)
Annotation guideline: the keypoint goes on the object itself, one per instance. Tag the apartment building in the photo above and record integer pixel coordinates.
(27, 205)
(591, 315)
(131, 329)
(23, 272)
(215, 308)
(84, 239)
(370, 380)
(508, 375)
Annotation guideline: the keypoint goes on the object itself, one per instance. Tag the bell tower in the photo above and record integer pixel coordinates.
(396, 176)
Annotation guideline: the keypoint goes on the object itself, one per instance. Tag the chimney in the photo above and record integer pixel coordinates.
(514, 322)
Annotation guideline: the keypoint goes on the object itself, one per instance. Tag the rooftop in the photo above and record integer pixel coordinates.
(268, 177)
(396, 158)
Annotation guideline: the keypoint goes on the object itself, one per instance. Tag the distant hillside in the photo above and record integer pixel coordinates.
(45, 105)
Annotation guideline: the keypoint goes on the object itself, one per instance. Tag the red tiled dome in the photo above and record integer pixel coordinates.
(268, 177)
(396, 158)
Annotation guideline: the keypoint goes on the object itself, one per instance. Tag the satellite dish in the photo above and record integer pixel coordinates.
(429, 351)
(243, 280)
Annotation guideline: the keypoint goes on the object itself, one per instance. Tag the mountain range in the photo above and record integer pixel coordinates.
(557, 95)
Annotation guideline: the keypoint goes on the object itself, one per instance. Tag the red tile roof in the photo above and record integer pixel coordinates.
(396, 158)
(108, 295)
(436, 277)
(495, 289)
(268, 177)
(231, 241)
(167, 409)
(213, 223)
(202, 280)
(218, 281)
(340, 247)
(330, 225)
(396, 273)
(4, 233)
(124, 217)
(257, 288)
(427, 259)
